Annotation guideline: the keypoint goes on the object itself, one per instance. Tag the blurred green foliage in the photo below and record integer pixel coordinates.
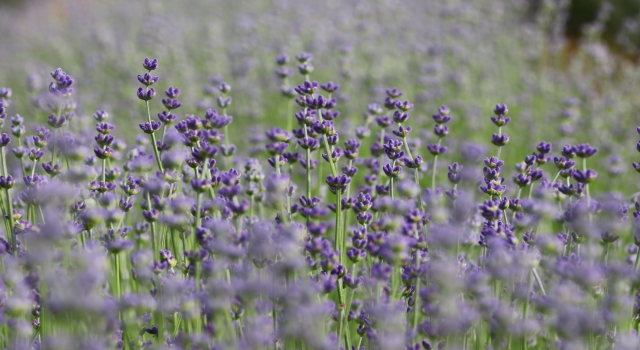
(620, 17)
(13, 3)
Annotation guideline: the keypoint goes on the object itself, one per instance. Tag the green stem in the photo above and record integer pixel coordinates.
(9, 204)
(339, 244)
(116, 260)
(251, 203)
(380, 158)
(538, 280)
(104, 166)
(347, 212)
(226, 141)
(308, 151)
(499, 147)
(525, 310)
(154, 243)
(435, 164)
(393, 164)
(153, 136)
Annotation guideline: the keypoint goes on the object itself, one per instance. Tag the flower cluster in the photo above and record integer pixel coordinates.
(182, 240)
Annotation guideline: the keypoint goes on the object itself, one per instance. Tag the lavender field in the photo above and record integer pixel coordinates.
(283, 174)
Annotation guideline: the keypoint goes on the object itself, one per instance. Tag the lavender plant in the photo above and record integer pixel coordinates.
(195, 265)
(313, 229)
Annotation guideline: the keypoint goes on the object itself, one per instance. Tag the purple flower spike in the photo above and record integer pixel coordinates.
(4, 140)
(412, 164)
(305, 68)
(402, 132)
(150, 64)
(568, 151)
(146, 95)
(441, 130)
(316, 103)
(400, 117)
(6, 182)
(103, 153)
(147, 79)
(394, 93)
(330, 87)
(383, 121)
(171, 103)
(441, 119)
(500, 120)
(282, 59)
(150, 128)
(584, 177)
(404, 106)
(304, 57)
(337, 183)
(436, 150)
(544, 147)
(493, 162)
(224, 102)
(278, 135)
(501, 109)
(584, 150)
(389, 103)
(522, 180)
(167, 117)
(444, 110)
(390, 171)
(500, 140)
(5, 93)
(393, 149)
(200, 185)
(307, 88)
(52, 170)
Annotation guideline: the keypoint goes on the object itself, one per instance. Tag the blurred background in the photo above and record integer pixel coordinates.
(566, 68)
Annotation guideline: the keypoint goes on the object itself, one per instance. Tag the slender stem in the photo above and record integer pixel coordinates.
(570, 241)
(33, 168)
(9, 204)
(153, 136)
(251, 204)
(393, 164)
(499, 147)
(53, 149)
(416, 305)
(274, 320)
(196, 222)
(347, 196)
(334, 172)
(104, 166)
(525, 310)
(338, 231)
(226, 141)
(116, 260)
(435, 164)
(380, 158)
(154, 243)
(538, 280)
(308, 165)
